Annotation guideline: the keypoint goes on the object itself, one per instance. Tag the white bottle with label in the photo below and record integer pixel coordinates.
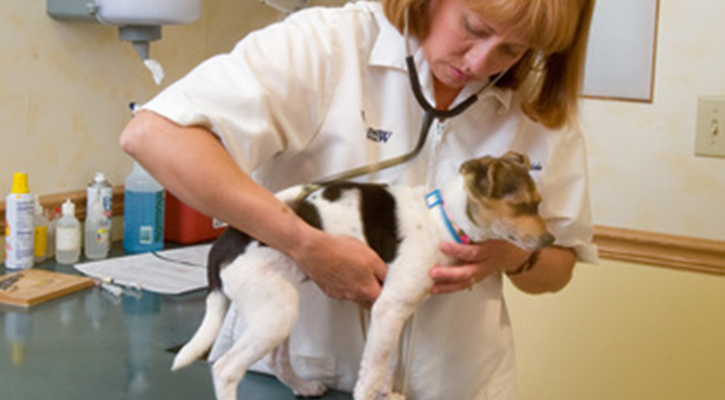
(19, 231)
(97, 239)
(68, 235)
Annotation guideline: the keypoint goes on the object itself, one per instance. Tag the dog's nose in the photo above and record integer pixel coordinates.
(533, 243)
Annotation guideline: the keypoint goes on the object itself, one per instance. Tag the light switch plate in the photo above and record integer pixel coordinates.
(710, 136)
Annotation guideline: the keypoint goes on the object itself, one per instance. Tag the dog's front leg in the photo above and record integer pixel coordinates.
(388, 317)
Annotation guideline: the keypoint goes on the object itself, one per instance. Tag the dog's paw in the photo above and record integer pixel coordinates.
(310, 389)
(390, 396)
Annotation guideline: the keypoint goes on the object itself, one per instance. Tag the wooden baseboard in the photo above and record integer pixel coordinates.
(663, 250)
(650, 248)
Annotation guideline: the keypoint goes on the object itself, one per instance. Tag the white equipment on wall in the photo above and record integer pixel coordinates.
(139, 21)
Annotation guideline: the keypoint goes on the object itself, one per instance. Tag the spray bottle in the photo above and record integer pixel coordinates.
(19, 232)
(97, 229)
(100, 186)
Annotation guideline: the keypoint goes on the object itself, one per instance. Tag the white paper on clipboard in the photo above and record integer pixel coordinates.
(171, 272)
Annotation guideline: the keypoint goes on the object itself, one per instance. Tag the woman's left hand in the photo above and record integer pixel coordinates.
(477, 262)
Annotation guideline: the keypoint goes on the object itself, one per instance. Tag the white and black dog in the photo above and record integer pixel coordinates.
(491, 198)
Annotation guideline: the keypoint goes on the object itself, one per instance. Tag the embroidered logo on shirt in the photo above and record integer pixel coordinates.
(536, 166)
(379, 135)
(375, 135)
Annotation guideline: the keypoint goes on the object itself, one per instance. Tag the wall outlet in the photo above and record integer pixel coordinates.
(710, 136)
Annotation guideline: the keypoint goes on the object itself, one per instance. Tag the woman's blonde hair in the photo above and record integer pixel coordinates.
(558, 31)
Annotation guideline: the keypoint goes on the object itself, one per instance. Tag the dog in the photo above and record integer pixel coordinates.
(491, 198)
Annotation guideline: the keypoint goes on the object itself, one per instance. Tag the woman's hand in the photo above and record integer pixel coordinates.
(343, 267)
(551, 272)
(477, 262)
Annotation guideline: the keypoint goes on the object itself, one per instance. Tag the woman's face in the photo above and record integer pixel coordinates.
(462, 45)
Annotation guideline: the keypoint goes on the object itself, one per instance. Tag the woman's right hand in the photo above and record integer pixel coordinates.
(343, 267)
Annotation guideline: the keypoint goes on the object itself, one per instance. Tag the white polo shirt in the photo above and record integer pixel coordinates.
(326, 91)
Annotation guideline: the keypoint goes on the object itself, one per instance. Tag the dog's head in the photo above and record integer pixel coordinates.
(503, 199)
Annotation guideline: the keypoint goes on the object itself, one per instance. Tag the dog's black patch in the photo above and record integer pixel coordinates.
(378, 214)
(308, 212)
(227, 247)
(377, 211)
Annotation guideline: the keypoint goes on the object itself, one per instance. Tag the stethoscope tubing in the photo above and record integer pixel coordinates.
(385, 164)
(429, 114)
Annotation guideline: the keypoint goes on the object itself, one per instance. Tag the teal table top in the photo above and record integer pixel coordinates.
(94, 345)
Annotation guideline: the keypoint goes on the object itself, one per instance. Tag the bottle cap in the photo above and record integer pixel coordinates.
(99, 177)
(20, 183)
(69, 209)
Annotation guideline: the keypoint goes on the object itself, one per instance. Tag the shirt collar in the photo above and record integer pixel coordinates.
(389, 48)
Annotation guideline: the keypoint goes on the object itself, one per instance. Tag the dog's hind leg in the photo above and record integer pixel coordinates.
(279, 362)
(230, 369)
(261, 288)
(267, 327)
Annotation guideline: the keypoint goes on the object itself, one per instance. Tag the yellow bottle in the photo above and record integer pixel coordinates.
(40, 225)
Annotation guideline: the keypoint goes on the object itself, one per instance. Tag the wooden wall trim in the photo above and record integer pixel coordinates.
(78, 197)
(663, 250)
(641, 247)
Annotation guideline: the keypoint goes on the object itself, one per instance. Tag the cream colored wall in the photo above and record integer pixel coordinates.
(625, 332)
(630, 332)
(65, 87)
(644, 172)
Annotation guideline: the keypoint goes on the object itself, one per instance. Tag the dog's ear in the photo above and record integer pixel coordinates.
(478, 175)
(490, 177)
(518, 158)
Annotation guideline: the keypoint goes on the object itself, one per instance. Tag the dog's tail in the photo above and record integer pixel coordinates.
(216, 308)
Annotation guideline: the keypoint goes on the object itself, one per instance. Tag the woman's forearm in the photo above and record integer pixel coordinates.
(551, 271)
(192, 163)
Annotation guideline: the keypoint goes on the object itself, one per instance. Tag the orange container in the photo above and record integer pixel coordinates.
(185, 225)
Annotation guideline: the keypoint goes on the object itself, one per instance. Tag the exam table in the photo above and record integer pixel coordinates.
(94, 345)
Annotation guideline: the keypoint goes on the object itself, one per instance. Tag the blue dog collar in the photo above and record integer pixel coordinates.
(435, 200)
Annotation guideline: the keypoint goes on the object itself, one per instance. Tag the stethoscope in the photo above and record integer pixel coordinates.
(430, 113)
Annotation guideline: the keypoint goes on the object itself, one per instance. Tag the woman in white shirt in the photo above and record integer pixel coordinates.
(327, 90)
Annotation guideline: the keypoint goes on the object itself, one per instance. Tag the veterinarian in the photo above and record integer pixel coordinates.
(328, 90)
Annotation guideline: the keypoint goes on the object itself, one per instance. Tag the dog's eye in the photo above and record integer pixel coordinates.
(529, 208)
